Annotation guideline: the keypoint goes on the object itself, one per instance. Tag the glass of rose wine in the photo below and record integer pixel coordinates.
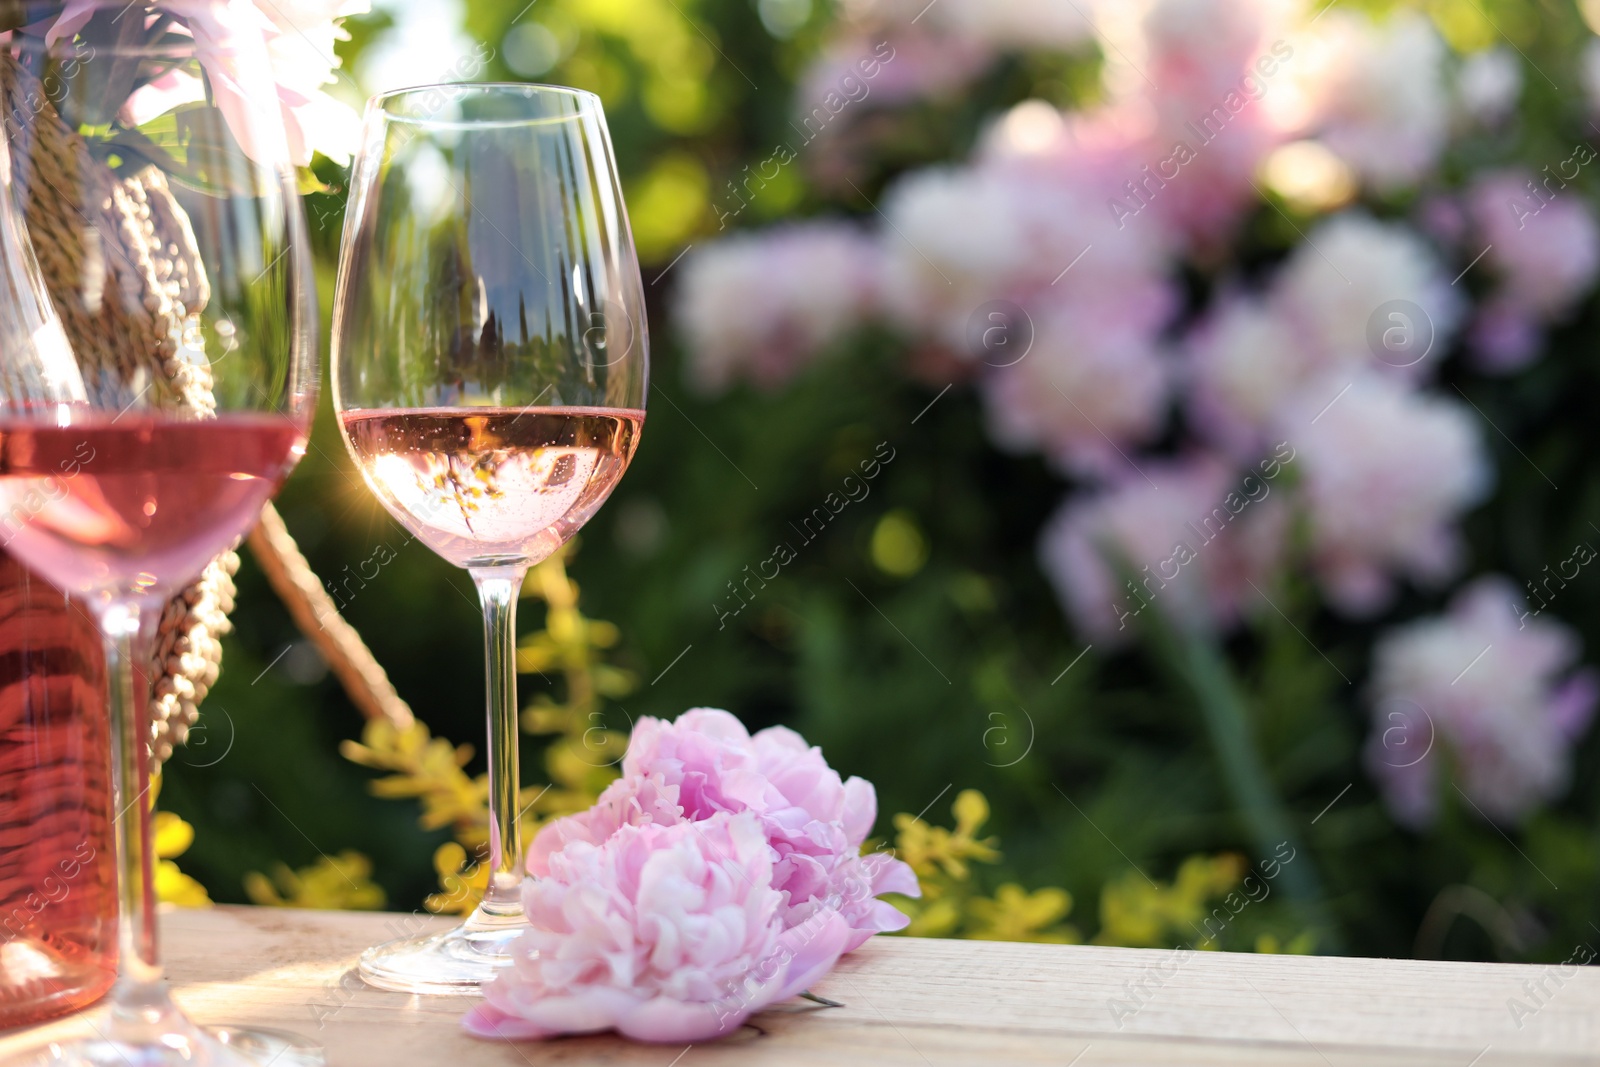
(157, 381)
(490, 366)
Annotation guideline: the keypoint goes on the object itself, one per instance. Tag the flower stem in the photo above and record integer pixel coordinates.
(1195, 658)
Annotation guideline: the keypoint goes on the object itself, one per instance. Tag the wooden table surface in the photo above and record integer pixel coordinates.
(920, 1003)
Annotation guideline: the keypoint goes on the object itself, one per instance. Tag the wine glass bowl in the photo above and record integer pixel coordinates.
(490, 367)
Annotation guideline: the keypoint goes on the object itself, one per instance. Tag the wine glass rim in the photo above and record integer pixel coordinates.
(587, 103)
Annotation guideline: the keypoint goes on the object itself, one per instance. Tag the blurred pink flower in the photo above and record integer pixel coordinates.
(1194, 536)
(1477, 694)
(1090, 384)
(1543, 245)
(662, 933)
(1488, 85)
(706, 763)
(1206, 89)
(761, 306)
(1029, 229)
(303, 61)
(1384, 474)
(1378, 96)
(1505, 335)
(1333, 286)
(1015, 25)
(1251, 357)
(241, 44)
(921, 64)
(1243, 363)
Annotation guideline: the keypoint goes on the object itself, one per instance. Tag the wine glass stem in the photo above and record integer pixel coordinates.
(498, 588)
(138, 1000)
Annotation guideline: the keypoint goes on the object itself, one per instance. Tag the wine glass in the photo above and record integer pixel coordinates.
(490, 365)
(157, 383)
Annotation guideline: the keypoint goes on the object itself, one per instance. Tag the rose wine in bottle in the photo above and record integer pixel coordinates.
(478, 485)
(58, 904)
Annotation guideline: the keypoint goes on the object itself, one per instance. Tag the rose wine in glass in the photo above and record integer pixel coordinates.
(156, 387)
(490, 368)
(477, 483)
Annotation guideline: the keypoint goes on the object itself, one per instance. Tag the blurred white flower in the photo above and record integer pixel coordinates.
(1489, 84)
(1014, 230)
(1020, 25)
(920, 64)
(1380, 100)
(759, 307)
(1323, 313)
(1243, 363)
(1589, 73)
(1090, 384)
(1192, 538)
(1475, 695)
(1348, 268)
(1385, 472)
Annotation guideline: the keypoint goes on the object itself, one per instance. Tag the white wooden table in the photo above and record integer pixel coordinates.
(919, 1003)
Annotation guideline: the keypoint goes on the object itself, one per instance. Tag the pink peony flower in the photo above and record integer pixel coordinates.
(760, 307)
(1243, 362)
(1378, 94)
(1091, 383)
(705, 764)
(1207, 94)
(1385, 472)
(1324, 314)
(1332, 286)
(663, 933)
(241, 44)
(1029, 229)
(920, 64)
(1476, 693)
(1543, 245)
(1488, 85)
(1194, 537)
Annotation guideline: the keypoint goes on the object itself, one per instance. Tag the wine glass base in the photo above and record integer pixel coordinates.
(454, 963)
(219, 1047)
(265, 1045)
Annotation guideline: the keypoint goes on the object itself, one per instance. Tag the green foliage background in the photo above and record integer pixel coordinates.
(930, 681)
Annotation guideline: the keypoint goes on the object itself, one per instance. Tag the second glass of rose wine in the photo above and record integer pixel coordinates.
(158, 372)
(490, 367)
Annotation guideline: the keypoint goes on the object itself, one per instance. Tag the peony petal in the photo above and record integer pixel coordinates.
(860, 809)
(663, 1020)
(816, 947)
(485, 1020)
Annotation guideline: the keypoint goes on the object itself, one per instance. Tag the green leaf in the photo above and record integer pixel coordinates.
(193, 145)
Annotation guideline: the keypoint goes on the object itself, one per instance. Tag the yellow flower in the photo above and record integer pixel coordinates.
(172, 838)
(1302, 944)
(1017, 915)
(928, 848)
(1137, 913)
(930, 918)
(463, 883)
(342, 882)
